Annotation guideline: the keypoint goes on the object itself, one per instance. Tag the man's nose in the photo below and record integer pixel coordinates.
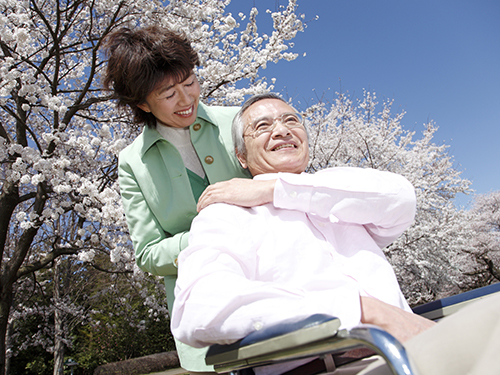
(280, 130)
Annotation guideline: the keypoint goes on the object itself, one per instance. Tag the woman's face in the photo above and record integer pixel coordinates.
(174, 104)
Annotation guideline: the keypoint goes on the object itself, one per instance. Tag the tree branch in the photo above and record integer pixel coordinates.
(49, 258)
(109, 271)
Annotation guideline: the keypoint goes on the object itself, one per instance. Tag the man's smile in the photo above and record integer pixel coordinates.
(285, 145)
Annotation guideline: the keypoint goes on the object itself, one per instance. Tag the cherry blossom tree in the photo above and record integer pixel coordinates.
(485, 224)
(60, 134)
(363, 133)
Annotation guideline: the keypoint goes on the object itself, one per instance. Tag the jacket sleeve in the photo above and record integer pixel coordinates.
(219, 298)
(383, 202)
(155, 251)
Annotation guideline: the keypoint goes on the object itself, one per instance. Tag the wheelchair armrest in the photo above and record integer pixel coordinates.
(443, 307)
(315, 336)
(282, 336)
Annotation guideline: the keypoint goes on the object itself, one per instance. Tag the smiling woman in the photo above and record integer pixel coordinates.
(185, 147)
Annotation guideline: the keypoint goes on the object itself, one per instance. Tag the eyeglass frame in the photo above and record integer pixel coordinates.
(256, 133)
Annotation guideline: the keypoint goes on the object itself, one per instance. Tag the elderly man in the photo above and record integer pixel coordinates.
(310, 244)
(315, 247)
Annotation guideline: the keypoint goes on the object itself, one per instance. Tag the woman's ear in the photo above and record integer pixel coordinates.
(145, 107)
(242, 160)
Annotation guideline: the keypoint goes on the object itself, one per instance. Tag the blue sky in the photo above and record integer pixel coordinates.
(437, 59)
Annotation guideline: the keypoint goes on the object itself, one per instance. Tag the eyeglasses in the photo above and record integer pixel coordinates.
(268, 124)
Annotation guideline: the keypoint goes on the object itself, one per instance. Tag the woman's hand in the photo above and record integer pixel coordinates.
(401, 324)
(239, 192)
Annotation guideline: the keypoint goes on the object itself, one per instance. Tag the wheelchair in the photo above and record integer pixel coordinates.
(318, 342)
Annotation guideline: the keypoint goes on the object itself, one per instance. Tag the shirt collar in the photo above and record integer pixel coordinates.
(206, 113)
(150, 136)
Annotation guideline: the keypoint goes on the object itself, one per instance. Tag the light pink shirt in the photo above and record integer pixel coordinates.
(316, 249)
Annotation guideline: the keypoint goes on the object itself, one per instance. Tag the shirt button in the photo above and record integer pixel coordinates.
(293, 194)
(258, 326)
(209, 159)
(196, 127)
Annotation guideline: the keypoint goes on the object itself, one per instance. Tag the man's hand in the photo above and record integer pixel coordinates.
(239, 192)
(399, 323)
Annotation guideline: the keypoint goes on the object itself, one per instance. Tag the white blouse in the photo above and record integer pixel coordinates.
(181, 139)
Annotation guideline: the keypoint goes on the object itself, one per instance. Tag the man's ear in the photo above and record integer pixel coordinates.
(242, 159)
(145, 107)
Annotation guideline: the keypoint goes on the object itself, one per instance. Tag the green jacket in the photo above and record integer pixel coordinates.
(157, 197)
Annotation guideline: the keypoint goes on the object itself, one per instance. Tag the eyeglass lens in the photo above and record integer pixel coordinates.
(265, 125)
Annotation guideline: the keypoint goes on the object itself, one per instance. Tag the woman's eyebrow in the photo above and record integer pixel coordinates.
(164, 88)
(168, 87)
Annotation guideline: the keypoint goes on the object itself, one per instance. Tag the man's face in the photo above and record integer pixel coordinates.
(283, 149)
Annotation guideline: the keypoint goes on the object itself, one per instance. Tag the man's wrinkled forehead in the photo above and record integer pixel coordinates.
(265, 109)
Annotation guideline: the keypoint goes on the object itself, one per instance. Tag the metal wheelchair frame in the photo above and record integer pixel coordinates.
(319, 336)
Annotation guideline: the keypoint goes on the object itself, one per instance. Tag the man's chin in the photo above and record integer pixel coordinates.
(285, 169)
(291, 166)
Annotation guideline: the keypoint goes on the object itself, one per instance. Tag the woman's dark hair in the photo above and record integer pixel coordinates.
(139, 60)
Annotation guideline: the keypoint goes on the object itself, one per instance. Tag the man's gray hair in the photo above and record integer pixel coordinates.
(239, 127)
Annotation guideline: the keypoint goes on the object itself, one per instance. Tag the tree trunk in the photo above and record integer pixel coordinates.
(7, 344)
(6, 295)
(58, 324)
(58, 344)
